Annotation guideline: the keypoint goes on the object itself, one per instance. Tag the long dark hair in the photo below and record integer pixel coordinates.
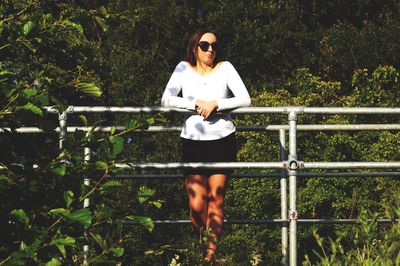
(191, 48)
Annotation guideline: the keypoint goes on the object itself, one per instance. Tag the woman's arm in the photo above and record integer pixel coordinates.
(173, 88)
(241, 97)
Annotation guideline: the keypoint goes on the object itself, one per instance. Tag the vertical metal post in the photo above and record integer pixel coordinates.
(292, 160)
(86, 201)
(86, 179)
(62, 119)
(284, 209)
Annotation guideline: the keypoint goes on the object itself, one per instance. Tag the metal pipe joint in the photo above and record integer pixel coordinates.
(295, 109)
(293, 164)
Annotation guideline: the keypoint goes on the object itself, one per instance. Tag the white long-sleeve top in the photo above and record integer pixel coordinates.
(214, 86)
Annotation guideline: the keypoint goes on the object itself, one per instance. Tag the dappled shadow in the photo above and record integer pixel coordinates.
(206, 201)
(181, 67)
(196, 186)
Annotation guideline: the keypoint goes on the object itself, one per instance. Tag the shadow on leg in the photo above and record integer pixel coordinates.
(197, 186)
(217, 184)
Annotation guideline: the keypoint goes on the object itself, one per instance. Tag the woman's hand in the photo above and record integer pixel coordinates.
(206, 109)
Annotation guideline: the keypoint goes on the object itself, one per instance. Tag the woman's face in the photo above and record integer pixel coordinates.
(206, 49)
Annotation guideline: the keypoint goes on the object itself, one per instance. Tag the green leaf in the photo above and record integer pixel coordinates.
(20, 215)
(69, 241)
(43, 99)
(161, 120)
(74, 25)
(145, 193)
(32, 108)
(103, 211)
(147, 222)
(29, 93)
(19, 257)
(47, 16)
(111, 184)
(117, 145)
(117, 251)
(68, 198)
(6, 179)
(103, 24)
(61, 212)
(28, 27)
(393, 247)
(62, 250)
(99, 240)
(150, 121)
(82, 216)
(104, 12)
(100, 260)
(58, 169)
(74, 40)
(6, 73)
(53, 262)
(156, 203)
(102, 166)
(60, 243)
(83, 119)
(112, 130)
(89, 88)
(132, 124)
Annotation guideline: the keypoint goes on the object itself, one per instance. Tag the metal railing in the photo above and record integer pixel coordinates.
(288, 163)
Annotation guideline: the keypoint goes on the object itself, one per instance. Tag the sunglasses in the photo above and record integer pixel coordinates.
(205, 45)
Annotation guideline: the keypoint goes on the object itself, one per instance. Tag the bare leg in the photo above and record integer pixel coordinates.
(197, 187)
(217, 184)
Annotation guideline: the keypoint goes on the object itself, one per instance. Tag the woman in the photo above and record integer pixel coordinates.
(207, 85)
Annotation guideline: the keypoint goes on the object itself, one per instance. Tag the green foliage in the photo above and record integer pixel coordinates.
(379, 89)
(89, 88)
(46, 52)
(369, 245)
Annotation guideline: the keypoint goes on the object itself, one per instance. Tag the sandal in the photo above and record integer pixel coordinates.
(209, 257)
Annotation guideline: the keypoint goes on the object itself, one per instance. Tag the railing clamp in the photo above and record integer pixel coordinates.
(293, 215)
(52, 109)
(296, 110)
(293, 164)
(62, 116)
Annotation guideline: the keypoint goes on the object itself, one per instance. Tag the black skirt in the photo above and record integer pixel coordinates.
(220, 150)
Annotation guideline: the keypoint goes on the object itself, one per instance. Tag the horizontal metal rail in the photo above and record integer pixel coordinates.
(231, 165)
(255, 165)
(271, 221)
(243, 110)
(255, 175)
(264, 175)
(252, 165)
(350, 165)
(104, 129)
